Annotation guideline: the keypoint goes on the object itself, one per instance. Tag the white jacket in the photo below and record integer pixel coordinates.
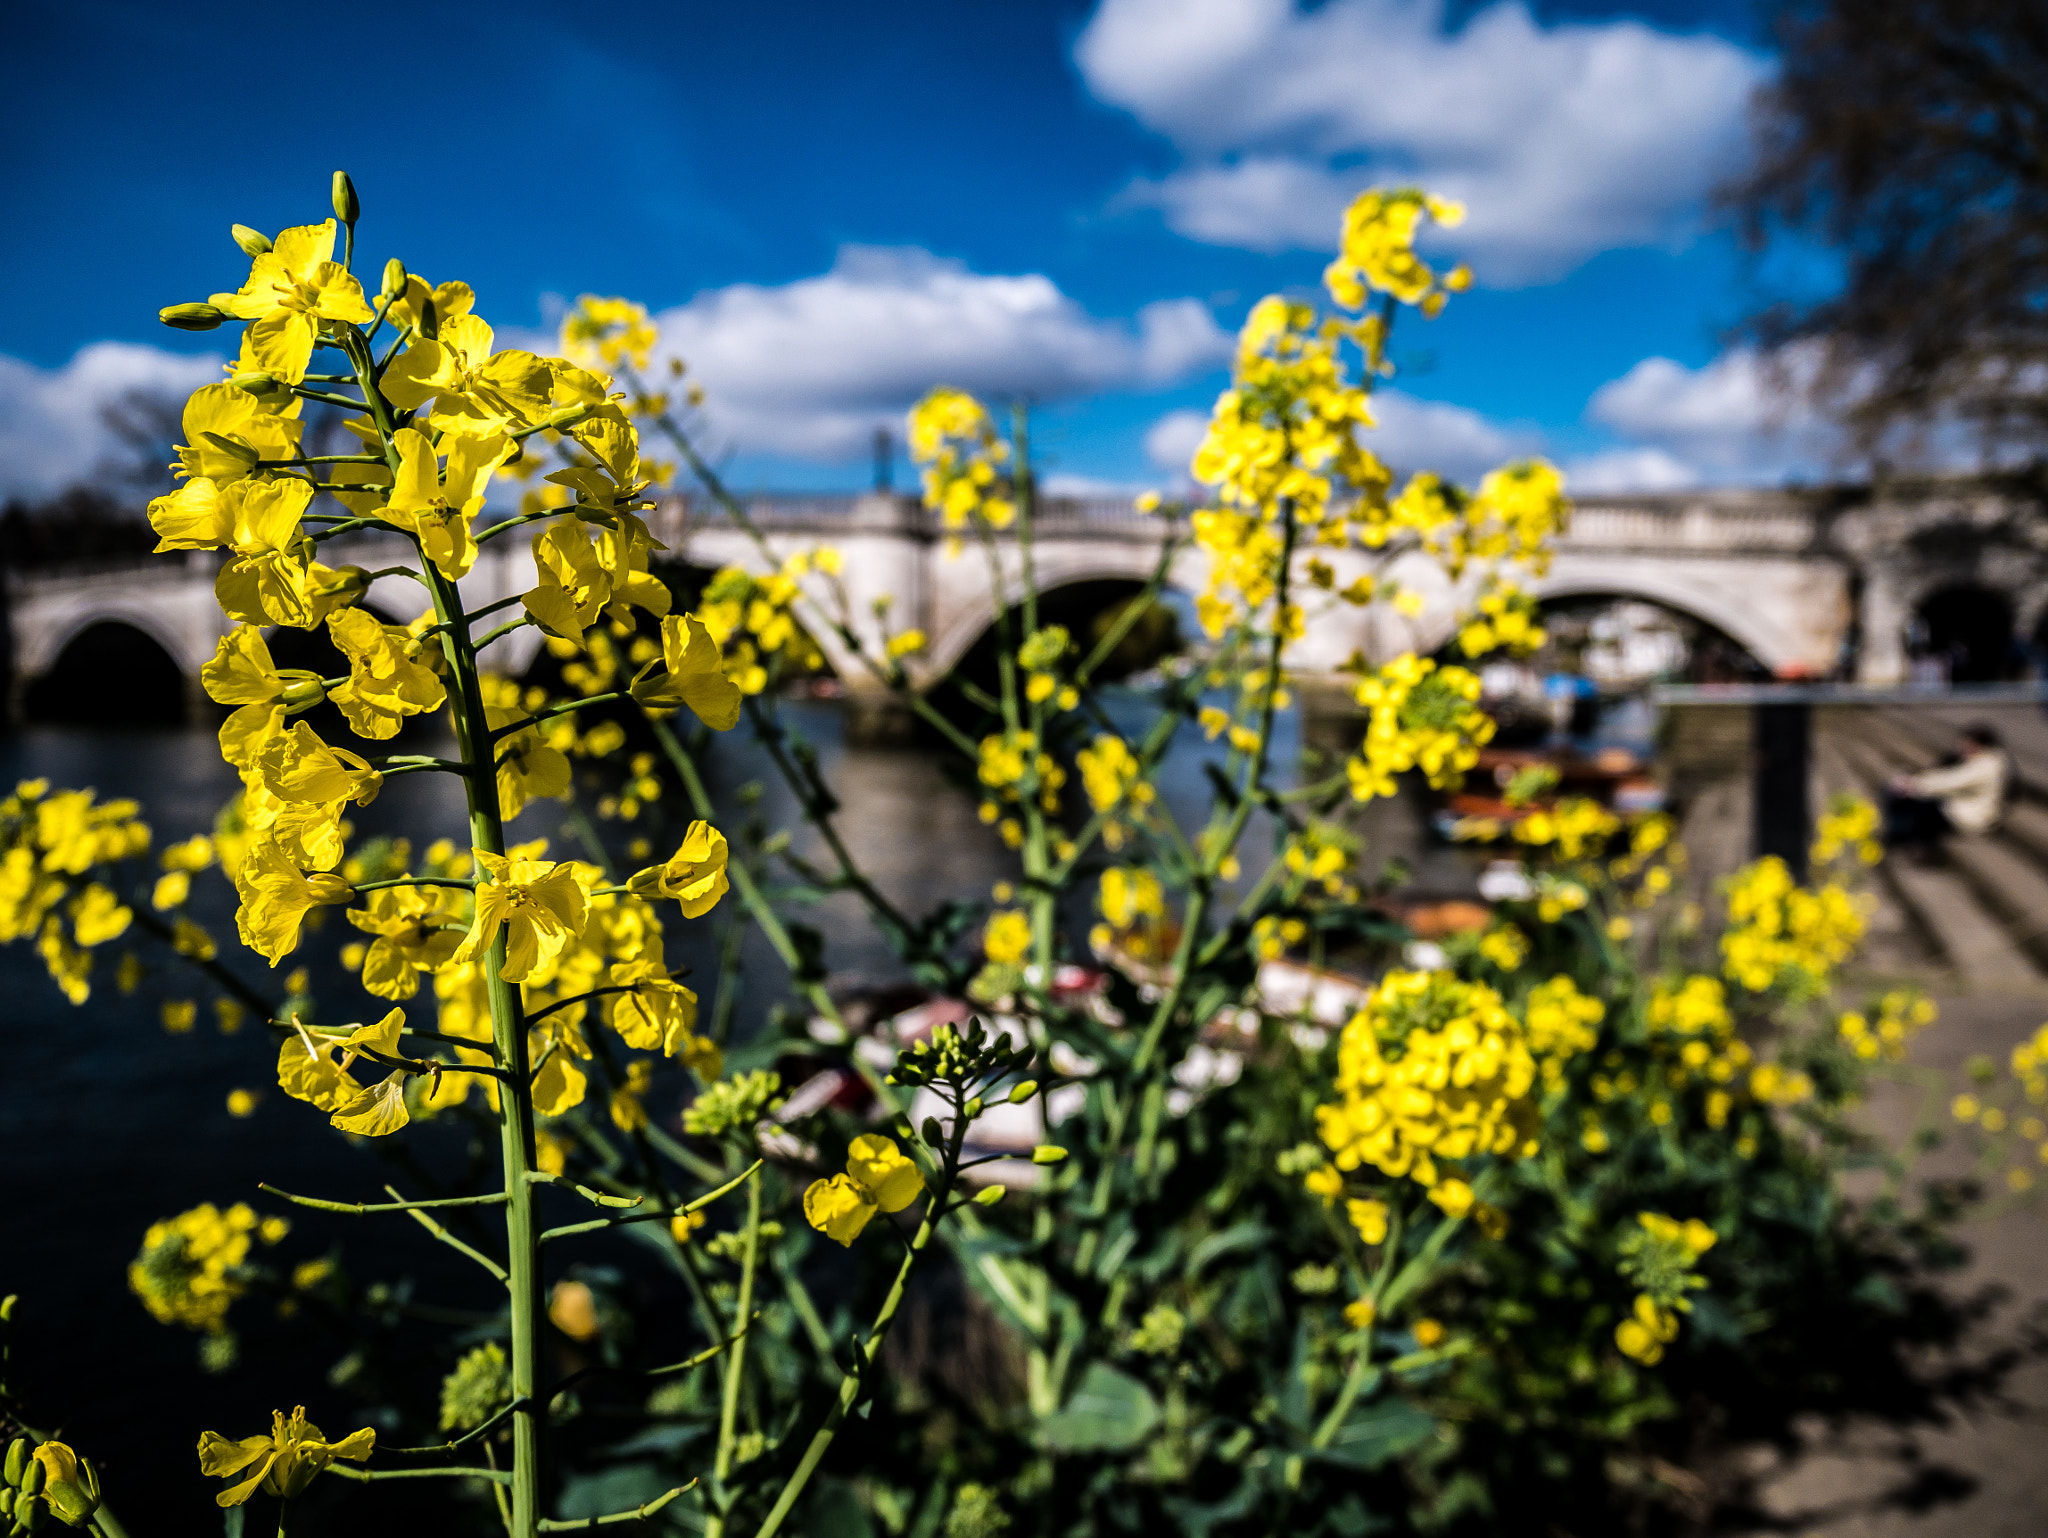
(1971, 793)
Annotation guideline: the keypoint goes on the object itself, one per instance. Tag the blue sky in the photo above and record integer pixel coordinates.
(835, 206)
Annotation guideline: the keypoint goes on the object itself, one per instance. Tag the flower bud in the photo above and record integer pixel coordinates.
(430, 321)
(6, 1501)
(934, 1134)
(234, 448)
(32, 1477)
(1047, 1153)
(252, 242)
(346, 206)
(191, 317)
(17, 1460)
(303, 694)
(988, 1196)
(33, 1511)
(348, 584)
(394, 277)
(1023, 1092)
(972, 1109)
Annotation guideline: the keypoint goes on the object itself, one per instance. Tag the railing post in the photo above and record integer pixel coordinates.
(1782, 821)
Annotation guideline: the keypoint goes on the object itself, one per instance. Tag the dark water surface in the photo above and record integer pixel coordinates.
(107, 1123)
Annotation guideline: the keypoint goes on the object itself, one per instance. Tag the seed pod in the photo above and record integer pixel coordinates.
(568, 416)
(394, 277)
(191, 317)
(988, 1196)
(252, 242)
(347, 208)
(1023, 1092)
(255, 381)
(17, 1460)
(304, 694)
(1047, 1153)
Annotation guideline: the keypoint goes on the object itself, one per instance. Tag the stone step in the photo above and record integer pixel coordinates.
(1950, 907)
(1976, 945)
(2009, 883)
(2026, 825)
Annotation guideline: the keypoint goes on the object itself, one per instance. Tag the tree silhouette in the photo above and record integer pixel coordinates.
(1911, 138)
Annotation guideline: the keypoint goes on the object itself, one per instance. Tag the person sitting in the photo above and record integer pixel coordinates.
(1965, 793)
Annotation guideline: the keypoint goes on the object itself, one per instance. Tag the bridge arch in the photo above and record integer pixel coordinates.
(108, 671)
(1749, 625)
(1058, 566)
(40, 648)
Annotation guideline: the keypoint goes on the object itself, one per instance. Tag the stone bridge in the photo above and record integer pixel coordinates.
(1810, 583)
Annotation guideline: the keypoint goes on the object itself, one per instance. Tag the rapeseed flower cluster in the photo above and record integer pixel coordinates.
(1505, 618)
(438, 418)
(1421, 716)
(1850, 822)
(1783, 936)
(1432, 1069)
(1901, 1014)
(753, 618)
(192, 1267)
(962, 455)
(1658, 1255)
(55, 853)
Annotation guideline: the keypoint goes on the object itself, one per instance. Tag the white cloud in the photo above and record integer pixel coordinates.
(1624, 470)
(1435, 435)
(1564, 140)
(1089, 487)
(1170, 442)
(1740, 418)
(812, 368)
(52, 428)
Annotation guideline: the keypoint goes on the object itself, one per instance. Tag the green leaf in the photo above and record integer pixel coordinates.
(1110, 1412)
(1376, 1432)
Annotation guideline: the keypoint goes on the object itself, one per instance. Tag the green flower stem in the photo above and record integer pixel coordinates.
(736, 1360)
(1192, 922)
(488, 1199)
(263, 1008)
(799, 1297)
(580, 998)
(366, 1476)
(502, 631)
(851, 1384)
(637, 1514)
(568, 707)
(1134, 611)
(452, 1242)
(464, 882)
(467, 1437)
(595, 1198)
(507, 525)
(757, 904)
(810, 795)
(665, 1212)
(487, 832)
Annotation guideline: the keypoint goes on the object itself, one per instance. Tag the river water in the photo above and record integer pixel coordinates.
(108, 1123)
